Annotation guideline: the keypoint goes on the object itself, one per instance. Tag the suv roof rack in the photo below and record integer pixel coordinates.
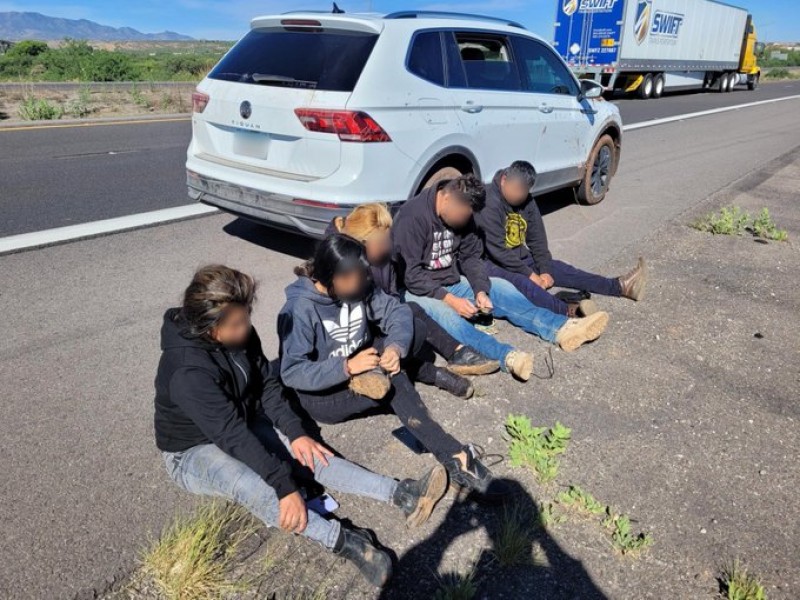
(415, 14)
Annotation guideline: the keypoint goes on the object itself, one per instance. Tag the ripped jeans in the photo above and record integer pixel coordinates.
(208, 471)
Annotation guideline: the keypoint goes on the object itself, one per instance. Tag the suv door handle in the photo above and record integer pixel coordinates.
(545, 108)
(471, 108)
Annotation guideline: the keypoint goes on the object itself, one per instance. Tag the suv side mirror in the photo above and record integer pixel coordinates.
(590, 89)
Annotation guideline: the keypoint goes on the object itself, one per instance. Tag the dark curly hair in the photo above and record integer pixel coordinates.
(467, 188)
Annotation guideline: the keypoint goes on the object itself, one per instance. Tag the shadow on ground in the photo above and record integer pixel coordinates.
(551, 573)
(278, 240)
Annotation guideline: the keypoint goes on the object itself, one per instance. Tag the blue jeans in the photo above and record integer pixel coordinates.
(509, 304)
(564, 275)
(208, 471)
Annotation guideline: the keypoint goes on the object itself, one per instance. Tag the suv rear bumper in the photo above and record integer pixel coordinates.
(310, 218)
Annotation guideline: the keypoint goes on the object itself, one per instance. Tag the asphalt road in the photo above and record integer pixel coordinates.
(84, 488)
(54, 177)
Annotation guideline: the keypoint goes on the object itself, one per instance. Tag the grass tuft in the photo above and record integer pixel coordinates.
(39, 109)
(513, 544)
(456, 586)
(193, 556)
(737, 584)
(538, 448)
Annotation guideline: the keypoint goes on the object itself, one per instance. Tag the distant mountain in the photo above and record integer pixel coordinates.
(31, 25)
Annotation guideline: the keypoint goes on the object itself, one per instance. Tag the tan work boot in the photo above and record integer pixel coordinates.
(584, 308)
(634, 282)
(576, 332)
(520, 364)
(373, 384)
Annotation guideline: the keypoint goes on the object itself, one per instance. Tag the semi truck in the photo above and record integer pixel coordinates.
(646, 47)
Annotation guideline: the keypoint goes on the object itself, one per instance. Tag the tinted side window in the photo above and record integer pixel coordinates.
(455, 68)
(425, 59)
(542, 70)
(322, 60)
(487, 61)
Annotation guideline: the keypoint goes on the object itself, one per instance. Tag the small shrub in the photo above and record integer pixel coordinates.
(737, 584)
(39, 109)
(622, 537)
(536, 447)
(779, 73)
(729, 221)
(192, 558)
(80, 107)
(138, 97)
(764, 227)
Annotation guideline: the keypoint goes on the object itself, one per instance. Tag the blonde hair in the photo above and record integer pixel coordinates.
(364, 221)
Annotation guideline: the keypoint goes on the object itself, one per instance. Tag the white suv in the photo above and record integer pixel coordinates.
(311, 114)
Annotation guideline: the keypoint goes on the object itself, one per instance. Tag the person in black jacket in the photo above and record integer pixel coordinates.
(515, 243)
(439, 258)
(226, 429)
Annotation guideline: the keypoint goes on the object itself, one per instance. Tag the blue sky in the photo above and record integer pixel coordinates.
(777, 20)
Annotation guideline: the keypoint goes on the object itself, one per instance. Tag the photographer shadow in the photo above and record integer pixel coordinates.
(549, 574)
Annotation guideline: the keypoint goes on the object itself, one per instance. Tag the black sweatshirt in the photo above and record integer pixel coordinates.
(429, 255)
(206, 393)
(514, 237)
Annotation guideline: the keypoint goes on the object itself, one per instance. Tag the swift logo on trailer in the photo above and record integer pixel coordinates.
(570, 7)
(666, 24)
(641, 24)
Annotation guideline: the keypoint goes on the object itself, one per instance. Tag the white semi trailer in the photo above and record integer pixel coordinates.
(649, 46)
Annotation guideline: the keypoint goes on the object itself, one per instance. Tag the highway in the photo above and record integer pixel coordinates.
(99, 172)
(84, 488)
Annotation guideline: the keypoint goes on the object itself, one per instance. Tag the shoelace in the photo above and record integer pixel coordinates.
(479, 453)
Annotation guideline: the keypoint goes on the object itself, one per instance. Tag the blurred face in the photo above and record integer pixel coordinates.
(453, 210)
(234, 328)
(515, 191)
(350, 286)
(378, 246)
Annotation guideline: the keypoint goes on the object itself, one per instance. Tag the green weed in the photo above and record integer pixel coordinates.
(583, 501)
(729, 221)
(138, 97)
(764, 227)
(39, 109)
(548, 515)
(538, 448)
(622, 537)
(81, 106)
(737, 584)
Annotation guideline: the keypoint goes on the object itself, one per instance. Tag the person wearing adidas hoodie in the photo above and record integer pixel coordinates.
(439, 255)
(225, 427)
(340, 370)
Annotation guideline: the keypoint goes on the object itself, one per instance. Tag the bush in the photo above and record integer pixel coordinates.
(39, 109)
(779, 73)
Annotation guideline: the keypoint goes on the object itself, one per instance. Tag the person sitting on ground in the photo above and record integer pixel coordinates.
(515, 242)
(371, 225)
(438, 253)
(340, 371)
(226, 429)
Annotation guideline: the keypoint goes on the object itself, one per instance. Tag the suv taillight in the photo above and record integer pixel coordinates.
(349, 125)
(199, 101)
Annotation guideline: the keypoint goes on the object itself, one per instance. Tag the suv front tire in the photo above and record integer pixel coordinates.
(599, 169)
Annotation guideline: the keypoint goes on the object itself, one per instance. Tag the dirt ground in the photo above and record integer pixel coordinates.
(684, 417)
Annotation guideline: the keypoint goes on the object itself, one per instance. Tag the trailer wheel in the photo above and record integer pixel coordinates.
(722, 82)
(599, 170)
(731, 82)
(752, 83)
(646, 87)
(658, 86)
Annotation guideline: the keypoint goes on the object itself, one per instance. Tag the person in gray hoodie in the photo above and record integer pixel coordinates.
(342, 341)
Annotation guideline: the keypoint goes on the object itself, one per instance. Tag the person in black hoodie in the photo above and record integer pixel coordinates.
(226, 429)
(516, 247)
(371, 225)
(340, 370)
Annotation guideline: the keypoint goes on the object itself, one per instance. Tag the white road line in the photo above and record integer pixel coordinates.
(48, 237)
(704, 113)
(58, 235)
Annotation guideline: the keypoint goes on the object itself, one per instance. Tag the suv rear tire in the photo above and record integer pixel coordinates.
(439, 175)
(599, 169)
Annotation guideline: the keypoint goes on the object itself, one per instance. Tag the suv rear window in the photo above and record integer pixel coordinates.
(319, 59)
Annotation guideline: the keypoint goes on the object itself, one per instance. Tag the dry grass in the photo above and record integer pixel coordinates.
(192, 559)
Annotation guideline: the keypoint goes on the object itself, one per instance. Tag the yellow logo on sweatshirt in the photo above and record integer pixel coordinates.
(516, 228)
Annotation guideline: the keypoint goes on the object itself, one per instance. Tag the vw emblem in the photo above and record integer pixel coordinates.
(245, 109)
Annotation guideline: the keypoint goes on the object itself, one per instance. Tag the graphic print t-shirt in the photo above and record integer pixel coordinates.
(441, 250)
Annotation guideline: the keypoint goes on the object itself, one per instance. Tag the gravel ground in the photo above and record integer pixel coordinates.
(683, 415)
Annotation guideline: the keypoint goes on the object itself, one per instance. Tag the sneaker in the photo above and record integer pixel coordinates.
(576, 332)
(634, 281)
(469, 475)
(583, 308)
(468, 361)
(359, 547)
(417, 498)
(453, 383)
(519, 364)
(374, 384)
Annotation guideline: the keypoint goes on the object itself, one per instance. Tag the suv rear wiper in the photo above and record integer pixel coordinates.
(281, 80)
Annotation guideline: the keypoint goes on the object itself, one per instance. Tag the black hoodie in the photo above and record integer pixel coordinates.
(430, 255)
(206, 393)
(514, 237)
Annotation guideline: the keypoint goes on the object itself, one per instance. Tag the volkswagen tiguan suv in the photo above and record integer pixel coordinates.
(311, 114)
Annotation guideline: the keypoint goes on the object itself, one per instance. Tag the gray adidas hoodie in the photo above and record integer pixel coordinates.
(318, 334)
